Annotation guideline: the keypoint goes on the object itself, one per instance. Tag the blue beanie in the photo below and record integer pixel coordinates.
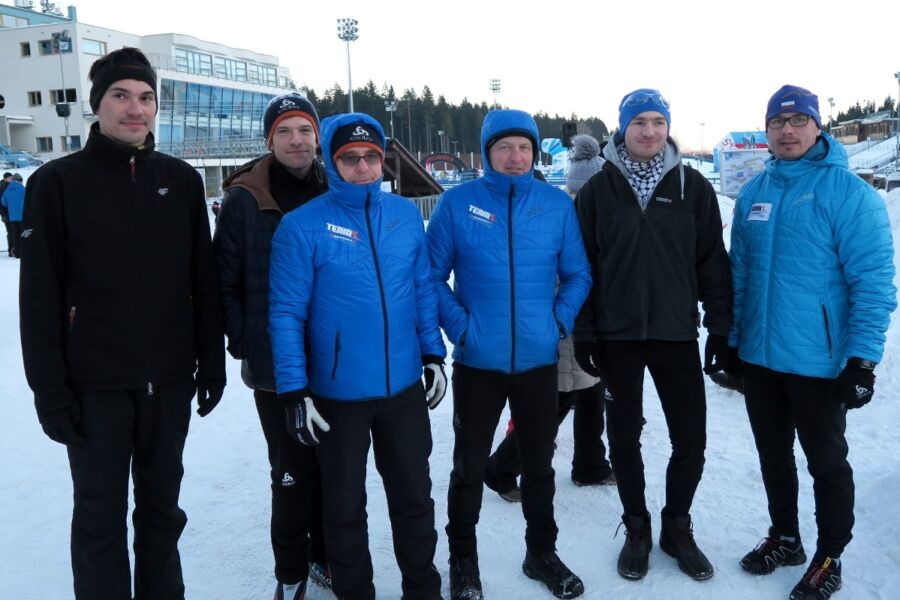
(642, 100)
(793, 99)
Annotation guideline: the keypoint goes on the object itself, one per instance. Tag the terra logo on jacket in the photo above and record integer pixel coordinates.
(482, 215)
(342, 233)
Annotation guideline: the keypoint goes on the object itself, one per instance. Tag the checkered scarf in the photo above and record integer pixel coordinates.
(643, 177)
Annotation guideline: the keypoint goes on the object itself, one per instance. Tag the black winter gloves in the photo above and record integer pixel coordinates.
(302, 417)
(588, 356)
(719, 356)
(435, 380)
(61, 425)
(208, 395)
(855, 385)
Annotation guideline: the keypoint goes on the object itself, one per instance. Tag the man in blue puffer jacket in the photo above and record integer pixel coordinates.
(812, 260)
(508, 239)
(353, 318)
(14, 202)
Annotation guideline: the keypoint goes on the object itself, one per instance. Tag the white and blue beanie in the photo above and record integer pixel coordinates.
(794, 99)
(642, 100)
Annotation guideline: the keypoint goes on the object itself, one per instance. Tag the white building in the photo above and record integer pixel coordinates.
(211, 97)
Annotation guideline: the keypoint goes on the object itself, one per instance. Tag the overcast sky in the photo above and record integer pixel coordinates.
(716, 61)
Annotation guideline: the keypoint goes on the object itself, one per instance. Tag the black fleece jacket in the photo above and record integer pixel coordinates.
(118, 285)
(256, 197)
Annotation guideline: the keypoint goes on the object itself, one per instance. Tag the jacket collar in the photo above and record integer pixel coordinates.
(254, 177)
(118, 156)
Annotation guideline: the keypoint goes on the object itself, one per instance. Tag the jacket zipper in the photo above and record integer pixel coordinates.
(384, 313)
(131, 165)
(337, 352)
(72, 319)
(827, 330)
(133, 169)
(512, 277)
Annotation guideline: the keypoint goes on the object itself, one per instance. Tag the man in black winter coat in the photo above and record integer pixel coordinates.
(653, 234)
(256, 197)
(121, 324)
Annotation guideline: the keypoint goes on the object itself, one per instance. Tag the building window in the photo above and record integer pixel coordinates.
(198, 63)
(25, 48)
(12, 21)
(74, 142)
(46, 47)
(34, 99)
(45, 144)
(56, 96)
(93, 47)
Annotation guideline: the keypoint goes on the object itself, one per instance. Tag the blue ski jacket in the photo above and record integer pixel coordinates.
(812, 261)
(352, 308)
(508, 241)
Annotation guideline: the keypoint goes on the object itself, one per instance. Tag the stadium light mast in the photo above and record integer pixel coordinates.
(348, 32)
(495, 87)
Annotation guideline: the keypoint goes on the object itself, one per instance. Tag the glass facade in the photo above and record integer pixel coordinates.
(200, 63)
(198, 119)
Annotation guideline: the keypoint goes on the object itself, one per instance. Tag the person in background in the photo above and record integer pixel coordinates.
(576, 389)
(4, 214)
(121, 323)
(514, 248)
(257, 195)
(353, 322)
(813, 264)
(13, 202)
(653, 235)
(215, 208)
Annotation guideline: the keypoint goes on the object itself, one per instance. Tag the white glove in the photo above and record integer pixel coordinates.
(435, 384)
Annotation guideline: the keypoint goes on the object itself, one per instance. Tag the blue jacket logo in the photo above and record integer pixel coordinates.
(342, 233)
(482, 215)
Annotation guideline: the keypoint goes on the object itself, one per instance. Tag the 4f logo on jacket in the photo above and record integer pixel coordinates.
(482, 215)
(342, 233)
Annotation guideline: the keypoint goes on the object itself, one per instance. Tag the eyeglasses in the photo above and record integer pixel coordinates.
(798, 120)
(650, 97)
(351, 160)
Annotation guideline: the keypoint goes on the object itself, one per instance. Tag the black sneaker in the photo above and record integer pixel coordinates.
(510, 493)
(465, 580)
(773, 552)
(592, 481)
(320, 573)
(547, 568)
(634, 559)
(821, 580)
(290, 591)
(676, 539)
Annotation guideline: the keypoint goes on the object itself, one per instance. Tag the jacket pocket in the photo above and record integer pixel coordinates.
(827, 330)
(337, 353)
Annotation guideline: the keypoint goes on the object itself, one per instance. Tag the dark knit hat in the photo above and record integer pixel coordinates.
(356, 135)
(793, 99)
(642, 100)
(124, 63)
(7, 174)
(287, 106)
(514, 133)
(584, 163)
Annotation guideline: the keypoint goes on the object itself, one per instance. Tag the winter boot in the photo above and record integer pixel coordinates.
(677, 539)
(320, 573)
(772, 552)
(508, 491)
(821, 580)
(634, 559)
(592, 481)
(290, 591)
(465, 580)
(548, 569)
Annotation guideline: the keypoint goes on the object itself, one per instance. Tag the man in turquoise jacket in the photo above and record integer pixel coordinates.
(812, 261)
(508, 238)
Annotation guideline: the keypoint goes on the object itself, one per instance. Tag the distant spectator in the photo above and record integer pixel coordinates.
(585, 162)
(216, 205)
(13, 201)
(4, 214)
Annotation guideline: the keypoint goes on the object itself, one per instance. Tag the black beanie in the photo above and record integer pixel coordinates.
(125, 63)
(287, 106)
(356, 135)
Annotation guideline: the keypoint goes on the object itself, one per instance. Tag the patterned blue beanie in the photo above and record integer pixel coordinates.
(793, 99)
(642, 100)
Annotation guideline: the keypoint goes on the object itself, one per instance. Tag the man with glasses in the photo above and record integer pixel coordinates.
(653, 235)
(812, 258)
(353, 320)
(508, 239)
(257, 195)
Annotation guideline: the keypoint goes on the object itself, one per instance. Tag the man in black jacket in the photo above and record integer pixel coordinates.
(653, 234)
(256, 197)
(121, 324)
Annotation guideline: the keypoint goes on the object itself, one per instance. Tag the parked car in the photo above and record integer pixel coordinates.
(892, 182)
(10, 158)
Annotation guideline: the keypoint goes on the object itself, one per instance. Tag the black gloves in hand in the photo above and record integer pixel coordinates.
(718, 356)
(208, 395)
(588, 355)
(61, 425)
(435, 380)
(302, 417)
(855, 386)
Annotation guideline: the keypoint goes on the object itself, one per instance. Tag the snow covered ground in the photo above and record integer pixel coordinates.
(225, 548)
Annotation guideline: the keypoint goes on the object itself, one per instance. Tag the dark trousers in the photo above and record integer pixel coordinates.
(589, 461)
(478, 399)
(8, 227)
(779, 404)
(129, 430)
(296, 526)
(675, 369)
(400, 432)
(13, 231)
